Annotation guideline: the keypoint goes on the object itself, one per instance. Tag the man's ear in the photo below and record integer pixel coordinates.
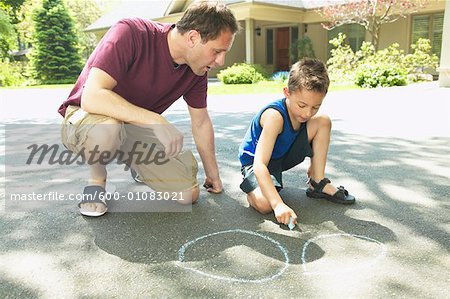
(193, 38)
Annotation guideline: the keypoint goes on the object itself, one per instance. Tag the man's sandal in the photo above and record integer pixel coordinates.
(93, 194)
(341, 196)
(136, 177)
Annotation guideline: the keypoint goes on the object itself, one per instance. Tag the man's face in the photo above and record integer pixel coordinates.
(204, 56)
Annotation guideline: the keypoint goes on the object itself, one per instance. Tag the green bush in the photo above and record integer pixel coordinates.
(302, 48)
(240, 73)
(11, 73)
(422, 58)
(343, 61)
(381, 75)
(386, 67)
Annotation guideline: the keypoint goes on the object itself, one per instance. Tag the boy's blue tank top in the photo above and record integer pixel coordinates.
(284, 140)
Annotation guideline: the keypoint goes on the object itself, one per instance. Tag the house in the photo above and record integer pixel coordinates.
(270, 27)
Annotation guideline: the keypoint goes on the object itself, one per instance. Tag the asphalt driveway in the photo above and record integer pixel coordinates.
(390, 147)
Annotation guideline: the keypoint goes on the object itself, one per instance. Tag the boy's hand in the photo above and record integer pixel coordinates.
(283, 213)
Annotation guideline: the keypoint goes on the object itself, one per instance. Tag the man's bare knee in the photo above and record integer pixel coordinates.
(190, 196)
(104, 136)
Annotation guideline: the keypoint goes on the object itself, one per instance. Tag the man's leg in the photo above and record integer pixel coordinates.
(319, 131)
(174, 175)
(101, 138)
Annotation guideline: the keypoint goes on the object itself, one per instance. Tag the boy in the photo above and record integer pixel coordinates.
(281, 135)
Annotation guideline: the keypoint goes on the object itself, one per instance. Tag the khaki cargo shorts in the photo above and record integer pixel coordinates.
(139, 149)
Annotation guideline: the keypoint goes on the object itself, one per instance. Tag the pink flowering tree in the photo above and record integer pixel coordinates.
(369, 13)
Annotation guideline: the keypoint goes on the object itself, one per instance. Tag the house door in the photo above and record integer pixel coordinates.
(282, 49)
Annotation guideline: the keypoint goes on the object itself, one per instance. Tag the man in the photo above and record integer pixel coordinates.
(136, 72)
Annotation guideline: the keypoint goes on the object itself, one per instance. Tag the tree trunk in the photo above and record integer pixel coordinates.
(375, 32)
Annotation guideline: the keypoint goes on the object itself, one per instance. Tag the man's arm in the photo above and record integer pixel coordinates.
(98, 97)
(203, 132)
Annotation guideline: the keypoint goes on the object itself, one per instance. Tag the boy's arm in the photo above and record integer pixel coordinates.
(272, 124)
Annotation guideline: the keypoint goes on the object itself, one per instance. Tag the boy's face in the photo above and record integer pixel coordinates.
(303, 104)
(204, 56)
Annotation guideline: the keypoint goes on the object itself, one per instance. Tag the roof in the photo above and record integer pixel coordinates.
(151, 9)
(146, 9)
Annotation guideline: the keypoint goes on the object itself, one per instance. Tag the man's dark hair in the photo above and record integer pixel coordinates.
(209, 18)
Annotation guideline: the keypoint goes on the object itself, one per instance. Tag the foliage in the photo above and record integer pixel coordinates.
(422, 58)
(369, 13)
(55, 57)
(240, 73)
(302, 48)
(386, 67)
(25, 27)
(84, 13)
(380, 75)
(6, 29)
(5, 24)
(280, 76)
(11, 73)
(343, 60)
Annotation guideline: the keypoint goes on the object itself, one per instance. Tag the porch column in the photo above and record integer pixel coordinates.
(249, 40)
(444, 67)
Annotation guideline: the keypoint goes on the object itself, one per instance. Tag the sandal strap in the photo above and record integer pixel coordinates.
(318, 187)
(96, 193)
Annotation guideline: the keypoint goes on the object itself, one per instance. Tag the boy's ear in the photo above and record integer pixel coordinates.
(193, 38)
(286, 92)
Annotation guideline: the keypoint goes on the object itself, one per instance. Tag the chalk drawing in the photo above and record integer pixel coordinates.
(380, 256)
(184, 247)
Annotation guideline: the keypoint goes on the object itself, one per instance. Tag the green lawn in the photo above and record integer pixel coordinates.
(263, 87)
(266, 87)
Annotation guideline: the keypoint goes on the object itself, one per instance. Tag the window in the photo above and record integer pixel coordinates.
(430, 27)
(355, 34)
(269, 46)
(293, 47)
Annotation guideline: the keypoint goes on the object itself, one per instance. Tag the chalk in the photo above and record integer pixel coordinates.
(291, 224)
(379, 257)
(183, 264)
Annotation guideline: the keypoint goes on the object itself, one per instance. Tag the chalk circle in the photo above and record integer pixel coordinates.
(380, 255)
(283, 250)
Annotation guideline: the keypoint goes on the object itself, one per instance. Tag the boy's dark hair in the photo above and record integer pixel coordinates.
(310, 74)
(209, 18)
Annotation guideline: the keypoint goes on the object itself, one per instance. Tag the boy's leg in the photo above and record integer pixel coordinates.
(257, 200)
(319, 131)
(250, 186)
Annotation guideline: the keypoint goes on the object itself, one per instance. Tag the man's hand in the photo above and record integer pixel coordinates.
(170, 137)
(213, 186)
(283, 213)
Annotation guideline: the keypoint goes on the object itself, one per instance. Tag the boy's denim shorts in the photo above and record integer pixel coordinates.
(299, 150)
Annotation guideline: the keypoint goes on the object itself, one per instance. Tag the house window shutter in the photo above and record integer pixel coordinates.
(356, 35)
(420, 27)
(436, 41)
(269, 46)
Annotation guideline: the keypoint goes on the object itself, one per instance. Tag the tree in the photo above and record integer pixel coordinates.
(85, 12)
(55, 57)
(8, 19)
(369, 13)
